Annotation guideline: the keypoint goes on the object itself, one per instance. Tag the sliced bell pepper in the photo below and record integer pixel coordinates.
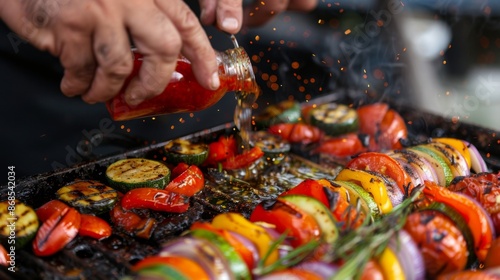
(188, 182)
(95, 227)
(371, 183)
(155, 199)
(243, 160)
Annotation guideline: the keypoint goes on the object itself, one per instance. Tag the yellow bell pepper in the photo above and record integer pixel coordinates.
(236, 222)
(391, 268)
(371, 183)
(459, 145)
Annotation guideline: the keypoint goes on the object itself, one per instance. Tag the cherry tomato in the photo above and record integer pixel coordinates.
(290, 219)
(188, 182)
(372, 271)
(342, 146)
(4, 257)
(57, 231)
(221, 149)
(441, 243)
(187, 267)
(243, 160)
(493, 256)
(312, 188)
(384, 164)
(45, 211)
(297, 132)
(485, 189)
(475, 215)
(155, 199)
(392, 129)
(246, 253)
(370, 117)
(131, 222)
(94, 227)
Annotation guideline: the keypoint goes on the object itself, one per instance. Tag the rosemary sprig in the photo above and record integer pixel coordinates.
(358, 246)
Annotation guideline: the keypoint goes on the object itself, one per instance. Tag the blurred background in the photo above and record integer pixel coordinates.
(441, 57)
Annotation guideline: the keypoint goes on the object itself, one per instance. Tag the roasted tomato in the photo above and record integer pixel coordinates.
(484, 188)
(441, 243)
(342, 146)
(370, 117)
(45, 211)
(221, 149)
(475, 215)
(384, 164)
(188, 182)
(94, 227)
(288, 218)
(297, 132)
(132, 223)
(155, 199)
(57, 231)
(372, 271)
(493, 256)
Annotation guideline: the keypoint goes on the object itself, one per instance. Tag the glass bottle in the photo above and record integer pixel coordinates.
(183, 93)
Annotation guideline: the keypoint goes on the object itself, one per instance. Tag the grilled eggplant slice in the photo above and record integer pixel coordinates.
(127, 174)
(183, 150)
(88, 196)
(18, 223)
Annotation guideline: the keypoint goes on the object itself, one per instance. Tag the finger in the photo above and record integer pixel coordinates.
(303, 5)
(114, 61)
(160, 45)
(196, 46)
(262, 11)
(207, 8)
(79, 65)
(229, 15)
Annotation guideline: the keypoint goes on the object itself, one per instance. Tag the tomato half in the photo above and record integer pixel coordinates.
(132, 223)
(221, 149)
(441, 243)
(45, 211)
(57, 231)
(188, 182)
(384, 164)
(243, 160)
(392, 129)
(155, 199)
(187, 267)
(297, 132)
(311, 188)
(179, 169)
(370, 117)
(95, 227)
(343, 146)
(287, 218)
(475, 215)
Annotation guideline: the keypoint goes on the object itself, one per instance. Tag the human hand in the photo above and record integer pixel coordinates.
(260, 12)
(91, 39)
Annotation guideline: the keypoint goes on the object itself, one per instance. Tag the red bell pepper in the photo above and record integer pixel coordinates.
(94, 227)
(243, 160)
(155, 199)
(187, 183)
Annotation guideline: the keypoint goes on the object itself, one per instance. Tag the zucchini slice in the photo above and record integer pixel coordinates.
(319, 211)
(183, 150)
(18, 223)
(127, 174)
(355, 194)
(334, 119)
(88, 196)
(274, 147)
(287, 111)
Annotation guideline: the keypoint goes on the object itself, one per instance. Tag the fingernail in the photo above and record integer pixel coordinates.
(214, 81)
(230, 24)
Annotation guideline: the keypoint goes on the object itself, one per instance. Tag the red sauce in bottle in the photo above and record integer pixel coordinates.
(183, 93)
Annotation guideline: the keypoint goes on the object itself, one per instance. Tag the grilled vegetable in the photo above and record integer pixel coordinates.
(183, 150)
(127, 174)
(274, 147)
(57, 231)
(321, 214)
(334, 119)
(188, 182)
(170, 267)
(88, 196)
(355, 194)
(45, 211)
(18, 223)
(94, 227)
(132, 223)
(297, 132)
(154, 199)
(437, 161)
(4, 257)
(287, 111)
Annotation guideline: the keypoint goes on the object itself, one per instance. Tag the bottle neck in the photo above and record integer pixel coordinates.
(236, 68)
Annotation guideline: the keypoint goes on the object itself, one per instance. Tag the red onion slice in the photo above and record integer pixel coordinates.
(249, 245)
(202, 252)
(325, 270)
(409, 255)
(478, 164)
